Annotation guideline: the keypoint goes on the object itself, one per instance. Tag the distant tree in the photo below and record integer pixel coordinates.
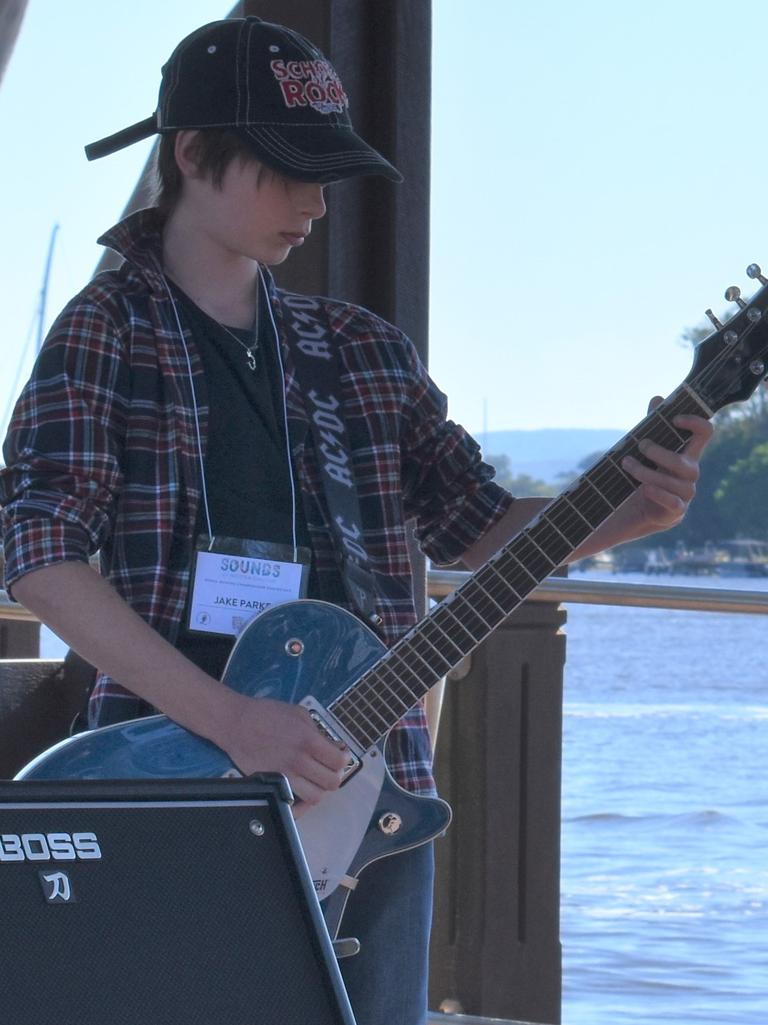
(710, 518)
(742, 498)
(738, 429)
(520, 483)
(564, 479)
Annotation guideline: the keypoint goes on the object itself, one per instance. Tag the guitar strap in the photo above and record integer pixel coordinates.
(308, 334)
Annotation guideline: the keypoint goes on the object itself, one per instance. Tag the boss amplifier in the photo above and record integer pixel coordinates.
(160, 903)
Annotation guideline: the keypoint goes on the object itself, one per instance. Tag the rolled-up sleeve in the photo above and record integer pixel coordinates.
(62, 450)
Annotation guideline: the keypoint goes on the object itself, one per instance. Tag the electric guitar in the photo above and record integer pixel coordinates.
(317, 655)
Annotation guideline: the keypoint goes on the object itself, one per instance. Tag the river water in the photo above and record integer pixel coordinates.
(665, 815)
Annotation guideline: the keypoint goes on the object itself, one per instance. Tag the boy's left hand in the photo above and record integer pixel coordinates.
(667, 489)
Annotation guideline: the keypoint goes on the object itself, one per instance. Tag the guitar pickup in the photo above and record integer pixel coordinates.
(353, 764)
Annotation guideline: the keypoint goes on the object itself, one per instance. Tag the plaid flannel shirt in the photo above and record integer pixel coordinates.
(102, 456)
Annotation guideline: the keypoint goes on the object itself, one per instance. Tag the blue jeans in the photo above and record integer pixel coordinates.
(390, 912)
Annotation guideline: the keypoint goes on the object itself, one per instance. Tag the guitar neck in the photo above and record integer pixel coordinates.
(455, 627)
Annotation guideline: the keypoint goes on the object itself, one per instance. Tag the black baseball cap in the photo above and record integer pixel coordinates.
(271, 86)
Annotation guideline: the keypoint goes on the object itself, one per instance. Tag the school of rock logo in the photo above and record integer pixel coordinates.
(310, 84)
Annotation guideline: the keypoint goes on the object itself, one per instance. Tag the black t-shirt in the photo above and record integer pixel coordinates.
(246, 461)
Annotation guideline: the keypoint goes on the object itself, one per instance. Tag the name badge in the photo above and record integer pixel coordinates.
(235, 579)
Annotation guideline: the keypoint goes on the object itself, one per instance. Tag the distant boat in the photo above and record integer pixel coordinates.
(743, 557)
(601, 560)
(695, 561)
(657, 561)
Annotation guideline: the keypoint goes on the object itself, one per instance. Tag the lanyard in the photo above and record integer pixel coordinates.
(204, 488)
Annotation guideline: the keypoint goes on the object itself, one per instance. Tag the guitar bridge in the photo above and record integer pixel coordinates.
(353, 764)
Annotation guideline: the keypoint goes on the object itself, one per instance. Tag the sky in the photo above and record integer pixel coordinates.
(597, 175)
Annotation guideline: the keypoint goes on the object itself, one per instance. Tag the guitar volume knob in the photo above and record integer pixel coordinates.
(390, 823)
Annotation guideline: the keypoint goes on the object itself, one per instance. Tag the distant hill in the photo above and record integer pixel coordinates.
(546, 453)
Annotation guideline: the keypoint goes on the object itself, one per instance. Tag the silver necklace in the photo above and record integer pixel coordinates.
(250, 350)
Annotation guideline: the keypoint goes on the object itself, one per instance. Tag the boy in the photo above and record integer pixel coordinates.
(168, 414)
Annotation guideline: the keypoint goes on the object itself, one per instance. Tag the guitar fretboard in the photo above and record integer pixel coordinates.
(455, 627)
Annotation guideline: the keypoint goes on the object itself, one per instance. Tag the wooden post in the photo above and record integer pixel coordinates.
(495, 938)
(11, 17)
(19, 639)
(37, 704)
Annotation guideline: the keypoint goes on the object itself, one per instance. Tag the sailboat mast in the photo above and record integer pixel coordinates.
(44, 290)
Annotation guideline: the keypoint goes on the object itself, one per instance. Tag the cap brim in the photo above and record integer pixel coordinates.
(127, 137)
(310, 153)
(317, 153)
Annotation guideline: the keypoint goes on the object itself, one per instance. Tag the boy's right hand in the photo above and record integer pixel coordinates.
(264, 735)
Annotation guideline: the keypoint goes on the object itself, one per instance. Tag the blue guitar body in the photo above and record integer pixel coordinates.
(307, 653)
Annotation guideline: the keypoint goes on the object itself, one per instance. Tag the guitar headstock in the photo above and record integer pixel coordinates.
(731, 362)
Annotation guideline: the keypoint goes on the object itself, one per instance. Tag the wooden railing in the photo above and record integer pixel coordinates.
(470, 1019)
(610, 592)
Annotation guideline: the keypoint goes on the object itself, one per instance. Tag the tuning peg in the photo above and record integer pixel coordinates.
(733, 295)
(753, 271)
(718, 326)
